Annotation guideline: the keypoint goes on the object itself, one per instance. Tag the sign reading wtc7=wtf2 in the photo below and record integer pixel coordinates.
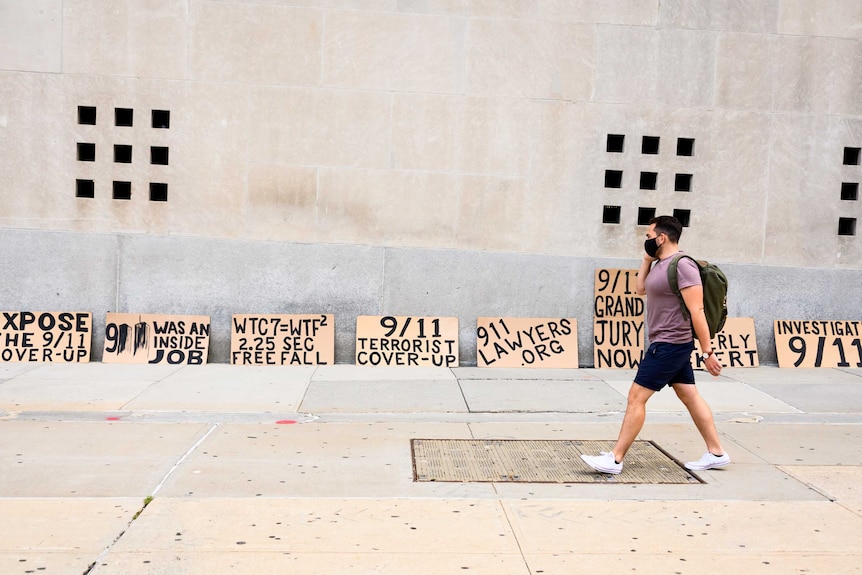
(618, 325)
(527, 342)
(282, 340)
(818, 343)
(51, 337)
(406, 340)
(145, 338)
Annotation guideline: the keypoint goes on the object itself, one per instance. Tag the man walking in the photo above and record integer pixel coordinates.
(667, 361)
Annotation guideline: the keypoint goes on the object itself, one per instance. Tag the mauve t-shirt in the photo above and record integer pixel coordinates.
(665, 322)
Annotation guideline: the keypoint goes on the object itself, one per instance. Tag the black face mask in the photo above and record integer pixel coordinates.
(651, 247)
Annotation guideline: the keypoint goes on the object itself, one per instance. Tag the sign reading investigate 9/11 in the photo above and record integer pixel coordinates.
(818, 343)
(407, 340)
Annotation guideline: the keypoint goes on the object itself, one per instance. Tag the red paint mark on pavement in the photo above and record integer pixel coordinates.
(112, 419)
(286, 421)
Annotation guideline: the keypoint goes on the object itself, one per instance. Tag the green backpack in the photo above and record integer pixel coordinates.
(714, 292)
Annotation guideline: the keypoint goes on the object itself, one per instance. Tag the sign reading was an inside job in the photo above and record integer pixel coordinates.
(527, 342)
(407, 340)
(618, 324)
(150, 338)
(45, 336)
(268, 339)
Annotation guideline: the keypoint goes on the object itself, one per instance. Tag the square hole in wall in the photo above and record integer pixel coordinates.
(122, 190)
(611, 214)
(123, 117)
(846, 226)
(87, 115)
(648, 180)
(851, 156)
(613, 179)
(645, 215)
(159, 155)
(616, 142)
(649, 145)
(86, 152)
(158, 192)
(122, 154)
(684, 216)
(850, 191)
(682, 183)
(85, 189)
(685, 146)
(161, 119)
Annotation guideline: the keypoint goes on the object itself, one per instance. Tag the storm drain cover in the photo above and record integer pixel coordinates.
(539, 461)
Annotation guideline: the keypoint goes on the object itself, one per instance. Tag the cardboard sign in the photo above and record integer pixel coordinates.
(735, 345)
(527, 342)
(818, 343)
(406, 340)
(46, 336)
(148, 338)
(282, 339)
(618, 324)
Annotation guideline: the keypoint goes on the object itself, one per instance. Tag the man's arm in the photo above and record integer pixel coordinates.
(693, 298)
(640, 283)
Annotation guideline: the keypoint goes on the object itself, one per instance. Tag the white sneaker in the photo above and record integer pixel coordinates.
(708, 461)
(604, 463)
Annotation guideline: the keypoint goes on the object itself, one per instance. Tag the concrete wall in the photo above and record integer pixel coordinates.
(453, 136)
(107, 272)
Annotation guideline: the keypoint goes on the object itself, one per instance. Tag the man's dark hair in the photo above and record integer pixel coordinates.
(669, 226)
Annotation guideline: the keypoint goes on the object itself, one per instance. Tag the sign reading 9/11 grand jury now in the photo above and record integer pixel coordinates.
(618, 326)
(407, 341)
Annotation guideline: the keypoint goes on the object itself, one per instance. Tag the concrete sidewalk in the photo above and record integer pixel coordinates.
(308, 470)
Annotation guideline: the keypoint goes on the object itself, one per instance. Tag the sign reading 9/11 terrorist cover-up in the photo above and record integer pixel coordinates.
(150, 338)
(527, 342)
(45, 336)
(407, 341)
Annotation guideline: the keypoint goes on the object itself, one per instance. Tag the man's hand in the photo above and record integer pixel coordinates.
(713, 366)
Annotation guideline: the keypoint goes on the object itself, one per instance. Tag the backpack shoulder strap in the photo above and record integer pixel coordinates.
(673, 279)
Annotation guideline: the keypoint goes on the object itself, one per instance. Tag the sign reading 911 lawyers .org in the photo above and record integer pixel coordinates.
(527, 342)
(46, 336)
(150, 338)
(406, 340)
(258, 339)
(618, 325)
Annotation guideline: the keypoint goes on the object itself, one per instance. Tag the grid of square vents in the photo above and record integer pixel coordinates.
(647, 180)
(123, 153)
(850, 190)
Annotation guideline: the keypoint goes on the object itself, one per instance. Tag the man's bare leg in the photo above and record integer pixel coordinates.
(701, 414)
(633, 421)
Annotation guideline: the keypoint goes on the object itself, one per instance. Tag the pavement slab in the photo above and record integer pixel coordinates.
(502, 395)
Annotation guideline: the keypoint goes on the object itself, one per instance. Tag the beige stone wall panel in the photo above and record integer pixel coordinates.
(458, 134)
(626, 65)
(31, 35)
(400, 52)
(760, 16)
(253, 43)
(686, 70)
(139, 38)
(388, 207)
(531, 59)
(831, 18)
(804, 202)
(803, 74)
(282, 203)
(491, 213)
(622, 12)
(318, 127)
(744, 73)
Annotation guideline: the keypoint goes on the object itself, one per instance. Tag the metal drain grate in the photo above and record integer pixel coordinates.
(539, 461)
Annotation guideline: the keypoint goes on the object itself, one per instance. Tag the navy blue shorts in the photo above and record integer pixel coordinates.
(666, 364)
